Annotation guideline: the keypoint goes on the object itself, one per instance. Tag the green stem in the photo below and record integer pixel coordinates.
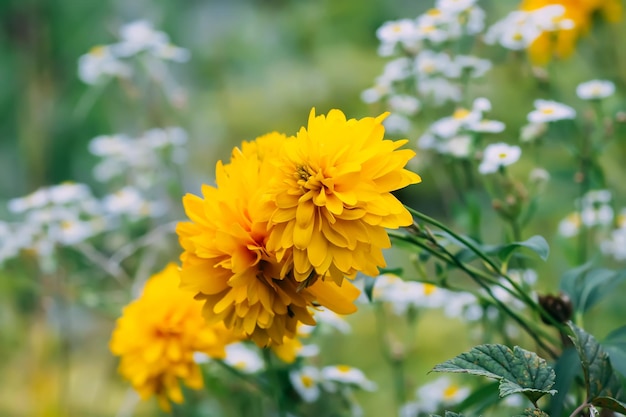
(479, 278)
(248, 379)
(274, 383)
(395, 360)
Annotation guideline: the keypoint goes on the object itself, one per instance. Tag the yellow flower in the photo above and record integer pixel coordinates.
(333, 197)
(226, 260)
(157, 336)
(561, 43)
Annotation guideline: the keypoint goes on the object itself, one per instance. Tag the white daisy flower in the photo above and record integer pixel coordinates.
(550, 18)
(429, 63)
(306, 383)
(570, 225)
(532, 131)
(498, 155)
(615, 245)
(550, 111)
(442, 391)
(440, 90)
(99, 63)
(595, 89)
(404, 104)
(459, 146)
(243, 358)
(396, 123)
(347, 375)
(487, 126)
(402, 31)
(454, 6)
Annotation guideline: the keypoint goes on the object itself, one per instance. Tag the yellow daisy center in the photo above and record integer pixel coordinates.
(429, 289)
(460, 113)
(343, 368)
(307, 381)
(450, 392)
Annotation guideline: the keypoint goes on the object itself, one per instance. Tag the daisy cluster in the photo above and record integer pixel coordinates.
(138, 38)
(421, 68)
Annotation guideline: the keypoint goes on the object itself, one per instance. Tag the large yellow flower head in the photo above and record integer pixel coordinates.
(226, 260)
(562, 43)
(157, 335)
(333, 198)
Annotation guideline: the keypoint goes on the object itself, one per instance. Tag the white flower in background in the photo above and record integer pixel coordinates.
(398, 69)
(614, 246)
(99, 63)
(550, 111)
(128, 201)
(71, 232)
(487, 126)
(515, 31)
(243, 358)
(429, 26)
(475, 20)
(396, 123)
(532, 131)
(459, 146)
(427, 141)
(467, 64)
(410, 409)
(375, 94)
(454, 6)
(595, 89)
(345, 375)
(539, 176)
(429, 63)
(550, 18)
(498, 155)
(37, 199)
(306, 382)
(441, 392)
(447, 127)
(404, 104)
(395, 32)
(440, 90)
(69, 192)
(402, 295)
(596, 209)
(570, 225)
(527, 277)
(481, 104)
(171, 52)
(109, 145)
(326, 319)
(463, 305)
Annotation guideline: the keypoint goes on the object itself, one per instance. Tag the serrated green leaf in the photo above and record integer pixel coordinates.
(518, 370)
(533, 412)
(537, 244)
(600, 379)
(610, 403)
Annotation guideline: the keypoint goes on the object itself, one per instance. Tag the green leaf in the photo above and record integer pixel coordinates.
(518, 370)
(533, 412)
(615, 345)
(480, 399)
(610, 403)
(537, 244)
(603, 386)
(586, 286)
(567, 369)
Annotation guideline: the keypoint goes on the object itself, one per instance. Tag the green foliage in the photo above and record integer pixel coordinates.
(537, 244)
(518, 370)
(448, 414)
(587, 285)
(533, 412)
(602, 385)
(615, 345)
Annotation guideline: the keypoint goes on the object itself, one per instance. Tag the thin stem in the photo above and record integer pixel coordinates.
(579, 409)
(248, 379)
(460, 238)
(274, 383)
(395, 359)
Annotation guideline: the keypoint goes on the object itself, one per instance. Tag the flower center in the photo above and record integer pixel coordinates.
(343, 368)
(450, 392)
(502, 155)
(307, 381)
(547, 110)
(460, 113)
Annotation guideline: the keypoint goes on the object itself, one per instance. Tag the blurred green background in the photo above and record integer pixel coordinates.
(256, 66)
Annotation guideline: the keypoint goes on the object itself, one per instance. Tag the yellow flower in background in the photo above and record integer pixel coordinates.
(226, 260)
(157, 335)
(333, 197)
(562, 43)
